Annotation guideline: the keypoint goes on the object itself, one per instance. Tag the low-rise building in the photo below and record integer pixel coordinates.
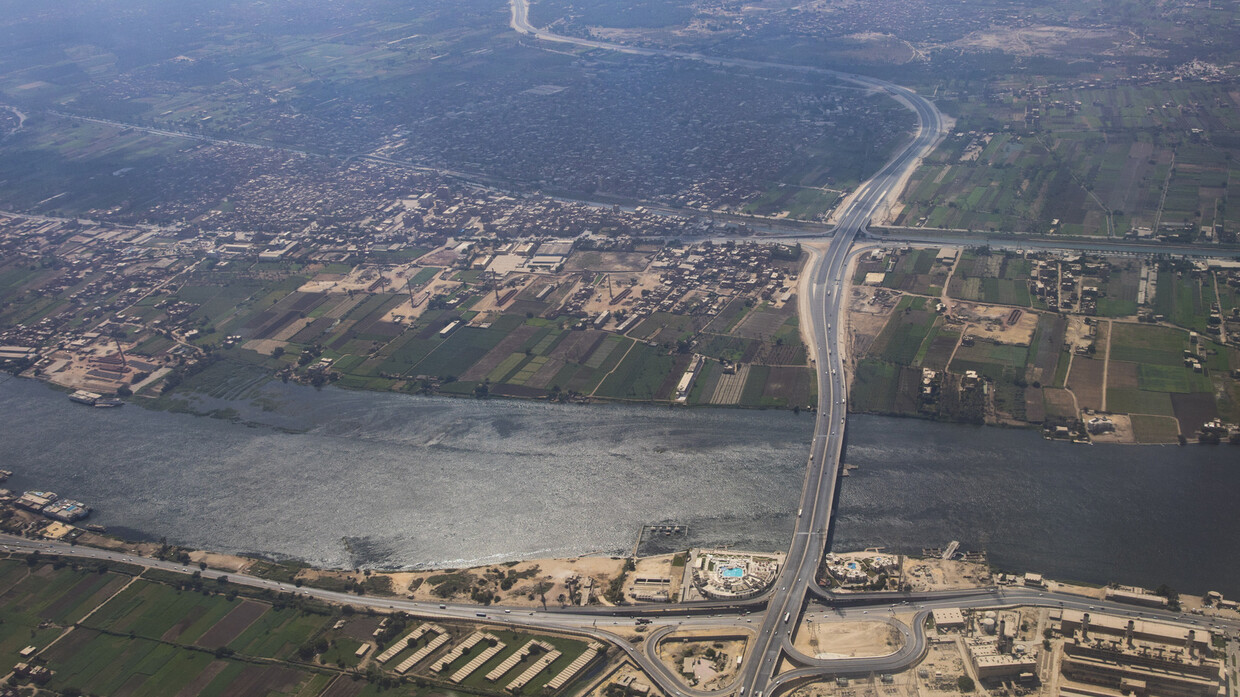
(1092, 624)
(991, 663)
(948, 618)
(1136, 597)
(1142, 670)
(36, 500)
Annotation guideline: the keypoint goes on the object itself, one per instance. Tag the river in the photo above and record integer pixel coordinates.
(341, 478)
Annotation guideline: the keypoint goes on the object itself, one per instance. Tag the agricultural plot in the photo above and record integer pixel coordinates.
(1058, 403)
(1148, 345)
(1193, 409)
(462, 349)
(1000, 279)
(51, 158)
(789, 387)
(1071, 177)
(728, 348)
(763, 323)
(1180, 299)
(939, 350)
(1046, 349)
(667, 327)
(912, 271)
(901, 340)
(1154, 429)
(1085, 381)
(107, 664)
(644, 374)
(989, 353)
(1120, 291)
(448, 332)
(874, 387)
(146, 638)
(1161, 378)
(1149, 368)
(1126, 400)
(31, 598)
(796, 202)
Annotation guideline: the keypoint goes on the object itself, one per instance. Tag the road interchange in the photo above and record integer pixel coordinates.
(770, 620)
(821, 289)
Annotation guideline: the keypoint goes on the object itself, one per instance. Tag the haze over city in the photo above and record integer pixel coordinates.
(585, 348)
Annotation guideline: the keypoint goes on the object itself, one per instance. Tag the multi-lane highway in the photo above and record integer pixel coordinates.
(822, 294)
(794, 595)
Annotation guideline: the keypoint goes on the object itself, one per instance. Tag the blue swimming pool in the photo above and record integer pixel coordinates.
(732, 572)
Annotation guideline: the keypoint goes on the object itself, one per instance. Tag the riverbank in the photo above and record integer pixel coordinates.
(350, 480)
(607, 581)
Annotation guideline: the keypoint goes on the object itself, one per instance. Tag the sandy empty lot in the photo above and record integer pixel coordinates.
(846, 639)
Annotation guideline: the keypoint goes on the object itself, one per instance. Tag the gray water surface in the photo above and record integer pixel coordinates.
(399, 481)
(395, 481)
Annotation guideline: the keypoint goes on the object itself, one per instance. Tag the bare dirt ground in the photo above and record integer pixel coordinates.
(659, 567)
(556, 572)
(602, 299)
(846, 639)
(1078, 333)
(1086, 591)
(624, 670)
(77, 366)
(1122, 434)
(228, 562)
(1028, 41)
(711, 662)
(361, 279)
(939, 574)
(868, 311)
(990, 322)
(489, 303)
(608, 261)
(103, 542)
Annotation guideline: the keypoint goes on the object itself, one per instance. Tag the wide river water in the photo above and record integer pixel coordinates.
(341, 478)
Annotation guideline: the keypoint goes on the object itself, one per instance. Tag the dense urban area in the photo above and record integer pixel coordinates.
(1004, 213)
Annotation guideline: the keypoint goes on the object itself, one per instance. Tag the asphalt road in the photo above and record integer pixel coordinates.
(796, 585)
(771, 619)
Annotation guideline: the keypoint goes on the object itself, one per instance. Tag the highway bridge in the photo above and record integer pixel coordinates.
(821, 290)
(770, 620)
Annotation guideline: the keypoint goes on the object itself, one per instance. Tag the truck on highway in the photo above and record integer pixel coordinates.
(800, 511)
(787, 616)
